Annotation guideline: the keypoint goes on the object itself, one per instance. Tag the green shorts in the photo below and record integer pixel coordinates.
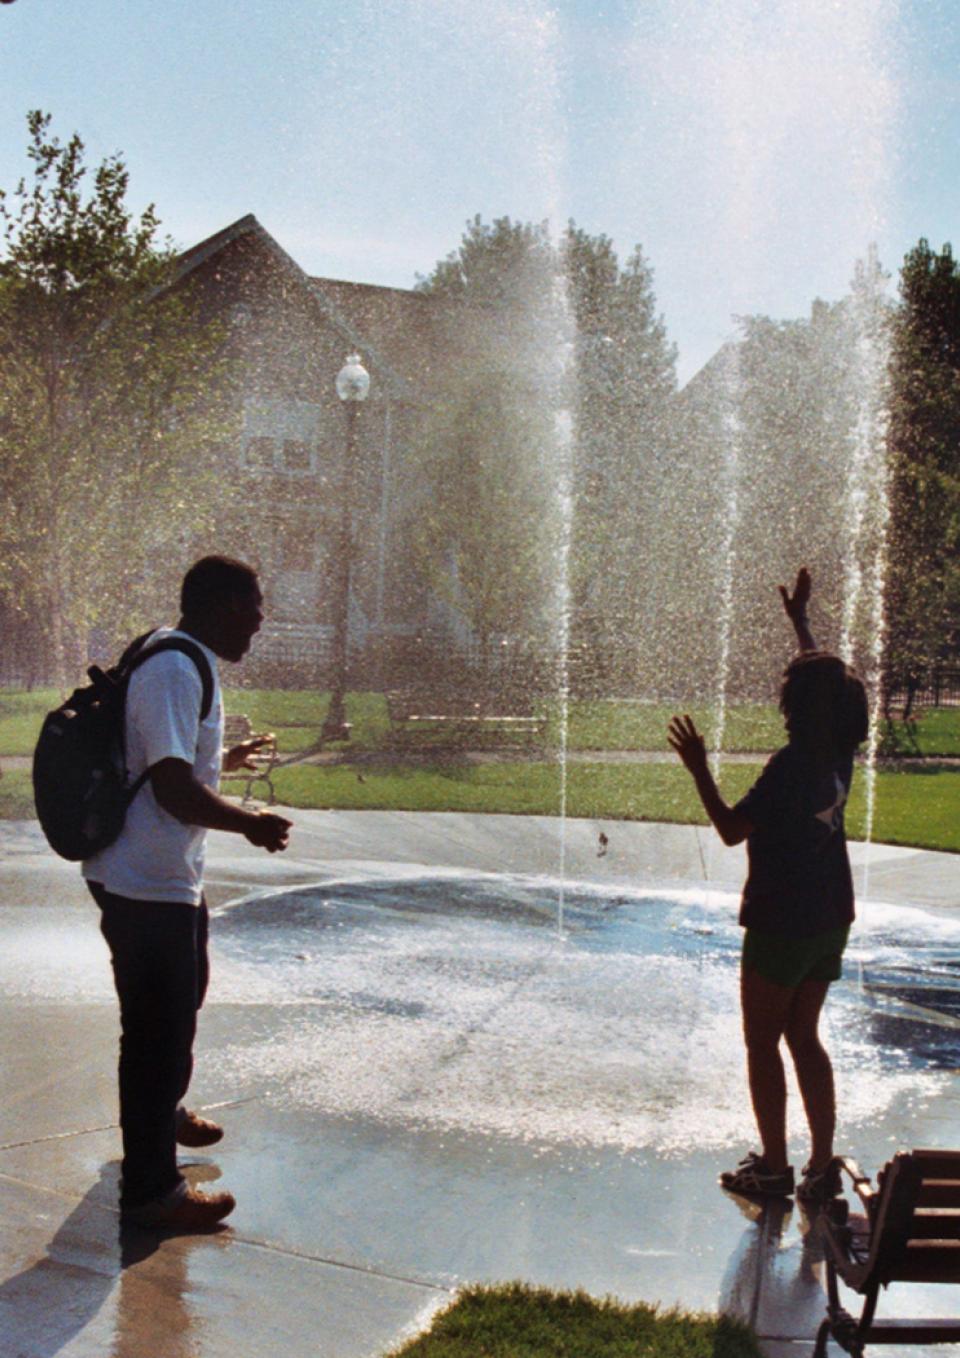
(788, 961)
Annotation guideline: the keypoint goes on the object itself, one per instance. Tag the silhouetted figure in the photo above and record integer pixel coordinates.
(149, 887)
(797, 903)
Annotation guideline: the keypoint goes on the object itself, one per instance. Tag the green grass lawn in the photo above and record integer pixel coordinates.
(916, 808)
(296, 718)
(936, 732)
(516, 1321)
(919, 807)
(21, 715)
(613, 724)
(610, 724)
(604, 791)
(16, 795)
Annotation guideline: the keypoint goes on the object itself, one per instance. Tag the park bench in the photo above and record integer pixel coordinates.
(464, 716)
(237, 729)
(909, 1232)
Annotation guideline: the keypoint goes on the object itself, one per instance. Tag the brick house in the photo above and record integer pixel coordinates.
(288, 337)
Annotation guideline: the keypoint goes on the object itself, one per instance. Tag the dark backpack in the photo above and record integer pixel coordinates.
(79, 764)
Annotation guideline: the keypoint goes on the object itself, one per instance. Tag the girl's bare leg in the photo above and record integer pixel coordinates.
(766, 1008)
(814, 1070)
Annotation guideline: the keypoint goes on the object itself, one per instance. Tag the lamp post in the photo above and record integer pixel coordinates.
(353, 387)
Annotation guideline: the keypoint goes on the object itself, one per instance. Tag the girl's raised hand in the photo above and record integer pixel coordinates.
(795, 605)
(689, 744)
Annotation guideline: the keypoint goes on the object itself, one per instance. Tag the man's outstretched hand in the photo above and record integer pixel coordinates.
(689, 744)
(269, 831)
(242, 756)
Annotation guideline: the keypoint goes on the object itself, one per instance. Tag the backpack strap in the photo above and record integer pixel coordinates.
(132, 650)
(190, 648)
(137, 653)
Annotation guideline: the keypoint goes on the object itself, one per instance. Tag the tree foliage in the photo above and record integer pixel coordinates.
(924, 577)
(625, 399)
(780, 462)
(485, 528)
(109, 414)
(554, 401)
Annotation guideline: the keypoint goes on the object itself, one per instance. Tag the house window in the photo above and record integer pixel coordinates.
(260, 452)
(296, 455)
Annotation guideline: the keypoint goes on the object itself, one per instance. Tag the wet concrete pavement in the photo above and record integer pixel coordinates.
(414, 1101)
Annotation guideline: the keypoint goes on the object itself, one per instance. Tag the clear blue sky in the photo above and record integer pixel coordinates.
(755, 148)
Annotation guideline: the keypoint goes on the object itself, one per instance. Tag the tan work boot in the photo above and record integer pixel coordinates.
(184, 1208)
(195, 1131)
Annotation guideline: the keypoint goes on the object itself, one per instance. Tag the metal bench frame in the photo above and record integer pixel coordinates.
(909, 1232)
(238, 728)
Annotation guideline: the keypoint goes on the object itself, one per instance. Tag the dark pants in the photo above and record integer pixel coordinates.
(160, 967)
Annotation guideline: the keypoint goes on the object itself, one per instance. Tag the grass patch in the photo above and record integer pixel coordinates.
(21, 716)
(917, 807)
(913, 808)
(935, 732)
(920, 808)
(604, 791)
(16, 795)
(296, 717)
(609, 724)
(615, 724)
(516, 1321)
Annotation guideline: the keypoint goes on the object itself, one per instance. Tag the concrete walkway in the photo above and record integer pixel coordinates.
(393, 1133)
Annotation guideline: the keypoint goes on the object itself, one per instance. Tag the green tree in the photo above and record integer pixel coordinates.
(486, 530)
(486, 526)
(924, 576)
(556, 395)
(625, 394)
(110, 416)
(781, 462)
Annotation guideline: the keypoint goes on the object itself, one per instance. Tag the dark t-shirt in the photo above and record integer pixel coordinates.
(799, 881)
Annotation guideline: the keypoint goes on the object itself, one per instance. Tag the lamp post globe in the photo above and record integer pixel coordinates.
(352, 387)
(353, 381)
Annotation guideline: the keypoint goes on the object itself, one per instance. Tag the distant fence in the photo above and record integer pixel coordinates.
(940, 689)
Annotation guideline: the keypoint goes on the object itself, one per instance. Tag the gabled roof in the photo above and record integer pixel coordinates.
(398, 320)
(388, 326)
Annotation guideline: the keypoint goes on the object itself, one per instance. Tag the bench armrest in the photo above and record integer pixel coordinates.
(862, 1186)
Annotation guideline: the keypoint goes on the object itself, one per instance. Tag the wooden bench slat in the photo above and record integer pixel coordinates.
(463, 714)
(937, 1164)
(935, 1223)
(929, 1261)
(910, 1234)
(925, 1331)
(939, 1193)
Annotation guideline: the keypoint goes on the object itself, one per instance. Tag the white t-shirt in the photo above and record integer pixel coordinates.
(156, 857)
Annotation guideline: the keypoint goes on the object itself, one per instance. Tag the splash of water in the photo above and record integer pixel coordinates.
(564, 449)
(731, 435)
(868, 514)
(542, 38)
(432, 1001)
(731, 439)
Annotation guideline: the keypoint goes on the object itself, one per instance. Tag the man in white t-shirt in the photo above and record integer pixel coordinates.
(149, 885)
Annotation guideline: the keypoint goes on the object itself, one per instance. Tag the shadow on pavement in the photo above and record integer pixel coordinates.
(93, 1260)
(771, 1280)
